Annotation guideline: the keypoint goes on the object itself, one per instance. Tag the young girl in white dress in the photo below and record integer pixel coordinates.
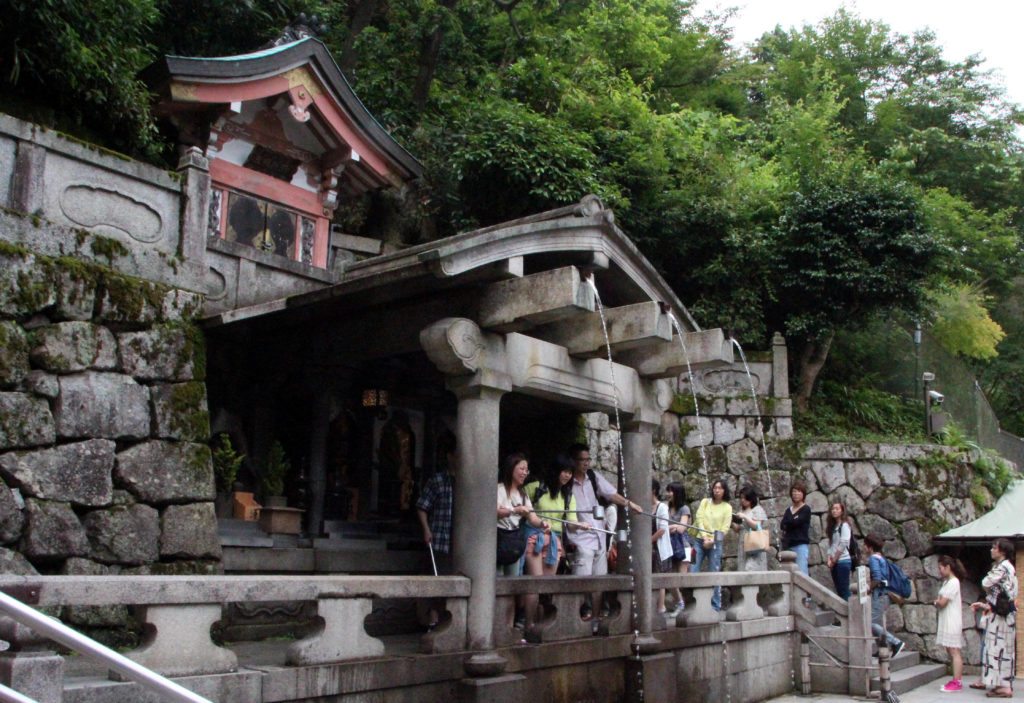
(949, 633)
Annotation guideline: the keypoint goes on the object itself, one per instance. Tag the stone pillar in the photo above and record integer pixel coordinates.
(195, 206)
(320, 424)
(476, 369)
(475, 536)
(638, 450)
(780, 367)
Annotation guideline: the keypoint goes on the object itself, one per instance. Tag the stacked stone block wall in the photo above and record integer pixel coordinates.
(104, 466)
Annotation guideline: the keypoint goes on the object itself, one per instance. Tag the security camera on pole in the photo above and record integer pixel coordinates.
(934, 419)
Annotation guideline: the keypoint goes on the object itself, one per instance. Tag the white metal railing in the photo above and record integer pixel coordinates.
(9, 695)
(58, 632)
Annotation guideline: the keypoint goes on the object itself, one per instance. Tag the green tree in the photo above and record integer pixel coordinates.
(73, 64)
(844, 253)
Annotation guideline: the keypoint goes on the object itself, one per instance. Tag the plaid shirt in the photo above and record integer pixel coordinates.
(436, 500)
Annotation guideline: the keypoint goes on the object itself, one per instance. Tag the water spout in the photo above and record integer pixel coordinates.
(621, 467)
(696, 405)
(760, 419)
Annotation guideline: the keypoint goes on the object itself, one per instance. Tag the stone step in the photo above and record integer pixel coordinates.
(904, 660)
(912, 677)
(360, 543)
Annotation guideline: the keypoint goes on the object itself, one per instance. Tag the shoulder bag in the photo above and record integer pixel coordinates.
(756, 540)
(511, 544)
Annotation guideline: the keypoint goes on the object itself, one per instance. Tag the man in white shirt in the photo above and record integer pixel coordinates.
(591, 555)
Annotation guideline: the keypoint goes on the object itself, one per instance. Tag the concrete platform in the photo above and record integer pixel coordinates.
(928, 693)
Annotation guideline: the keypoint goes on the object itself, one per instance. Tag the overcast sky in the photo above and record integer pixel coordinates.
(992, 28)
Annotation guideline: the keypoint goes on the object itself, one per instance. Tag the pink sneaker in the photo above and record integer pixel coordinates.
(952, 686)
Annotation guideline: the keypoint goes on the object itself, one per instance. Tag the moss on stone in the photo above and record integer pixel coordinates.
(581, 436)
(32, 294)
(132, 296)
(12, 250)
(199, 462)
(108, 248)
(684, 404)
(189, 416)
(194, 349)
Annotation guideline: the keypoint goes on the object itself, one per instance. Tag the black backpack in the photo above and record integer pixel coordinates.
(854, 550)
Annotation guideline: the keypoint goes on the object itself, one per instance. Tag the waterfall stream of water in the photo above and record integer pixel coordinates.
(621, 468)
(696, 405)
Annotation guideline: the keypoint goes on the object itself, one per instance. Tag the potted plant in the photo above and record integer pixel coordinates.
(275, 515)
(226, 462)
(272, 480)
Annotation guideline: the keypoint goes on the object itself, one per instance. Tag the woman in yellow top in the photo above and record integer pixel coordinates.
(552, 499)
(715, 516)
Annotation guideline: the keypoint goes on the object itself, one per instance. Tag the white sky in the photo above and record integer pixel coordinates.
(992, 28)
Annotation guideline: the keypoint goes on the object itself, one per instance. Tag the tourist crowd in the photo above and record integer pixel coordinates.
(559, 524)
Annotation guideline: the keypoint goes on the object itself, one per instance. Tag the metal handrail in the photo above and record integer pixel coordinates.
(59, 632)
(9, 695)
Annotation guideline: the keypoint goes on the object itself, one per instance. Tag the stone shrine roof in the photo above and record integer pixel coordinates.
(305, 73)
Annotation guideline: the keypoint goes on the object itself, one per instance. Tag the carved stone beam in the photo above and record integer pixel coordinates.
(705, 349)
(629, 327)
(521, 303)
(546, 370)
(653, 397)
(468, 356)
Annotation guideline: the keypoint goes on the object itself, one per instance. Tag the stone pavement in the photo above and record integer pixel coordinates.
(929, 693)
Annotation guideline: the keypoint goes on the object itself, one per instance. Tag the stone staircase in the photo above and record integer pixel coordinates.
(907, 672)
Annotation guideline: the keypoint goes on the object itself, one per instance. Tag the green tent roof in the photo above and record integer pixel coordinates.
(1006, 519)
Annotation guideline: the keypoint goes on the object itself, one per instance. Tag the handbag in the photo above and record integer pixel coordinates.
(679, 545)
(1003, 605)
(511, 545)
(755, 540)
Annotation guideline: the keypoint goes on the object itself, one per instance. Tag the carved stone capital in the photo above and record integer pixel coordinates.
(193, 158)
(455, 345)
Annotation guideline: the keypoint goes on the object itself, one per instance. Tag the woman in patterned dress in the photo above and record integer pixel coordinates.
(1000, 634)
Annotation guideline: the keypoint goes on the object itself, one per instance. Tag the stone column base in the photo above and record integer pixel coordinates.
(510, 688)
(651, 678)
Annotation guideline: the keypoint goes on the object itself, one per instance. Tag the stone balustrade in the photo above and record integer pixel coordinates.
(178, 612)
(748, 591)
(562, 598)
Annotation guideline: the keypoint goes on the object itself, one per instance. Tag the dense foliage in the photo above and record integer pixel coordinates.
(821, 178)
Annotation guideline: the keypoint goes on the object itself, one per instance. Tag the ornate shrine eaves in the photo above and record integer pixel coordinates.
(184, 77)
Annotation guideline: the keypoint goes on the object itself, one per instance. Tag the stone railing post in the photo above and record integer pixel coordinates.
(28, 666)
(343, 635)
(859, 644)
(194, 169)
(27, 187)
(745, 607)
(700, 611)
(178, 641)
(780, 367)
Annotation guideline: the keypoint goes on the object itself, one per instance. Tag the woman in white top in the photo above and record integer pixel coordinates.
(661, 542)
(513, 506)
(839, 561)
(949, 633)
